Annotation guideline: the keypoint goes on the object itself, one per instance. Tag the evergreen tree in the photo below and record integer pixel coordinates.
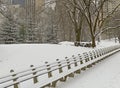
(9, 32)
(22, 34)
(51, 30)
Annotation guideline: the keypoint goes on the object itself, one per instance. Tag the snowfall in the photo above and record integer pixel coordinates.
(20, 56)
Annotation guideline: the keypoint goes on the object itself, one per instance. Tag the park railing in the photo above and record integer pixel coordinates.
(50, 73)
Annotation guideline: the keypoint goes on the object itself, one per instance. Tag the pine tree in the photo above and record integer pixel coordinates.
(51, 30)
(22, 34)
(9, 32)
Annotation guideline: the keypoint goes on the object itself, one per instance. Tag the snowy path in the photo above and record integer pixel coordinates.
(104, 75)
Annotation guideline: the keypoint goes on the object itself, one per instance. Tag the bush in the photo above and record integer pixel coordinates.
(85, 44)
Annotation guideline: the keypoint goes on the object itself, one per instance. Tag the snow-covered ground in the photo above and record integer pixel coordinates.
(104, 75)
(21, 56)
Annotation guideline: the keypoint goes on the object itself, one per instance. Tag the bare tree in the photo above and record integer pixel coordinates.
(93, 11)
(75, 16)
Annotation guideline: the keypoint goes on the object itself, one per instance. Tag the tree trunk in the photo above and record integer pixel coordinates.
(70, 33)
(93, 42)
(99, 38)
(77, 35)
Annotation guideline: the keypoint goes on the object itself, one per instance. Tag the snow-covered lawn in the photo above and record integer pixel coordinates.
(104, 75)
(21, 56)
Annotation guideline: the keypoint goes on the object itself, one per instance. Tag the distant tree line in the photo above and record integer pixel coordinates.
(69, 20)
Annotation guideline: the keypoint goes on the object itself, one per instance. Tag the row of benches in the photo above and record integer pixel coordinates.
(50, 74)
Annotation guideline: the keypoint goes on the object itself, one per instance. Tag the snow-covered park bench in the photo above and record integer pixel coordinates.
(50, 73)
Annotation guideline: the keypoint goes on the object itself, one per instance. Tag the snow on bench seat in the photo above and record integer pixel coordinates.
(67, 72)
